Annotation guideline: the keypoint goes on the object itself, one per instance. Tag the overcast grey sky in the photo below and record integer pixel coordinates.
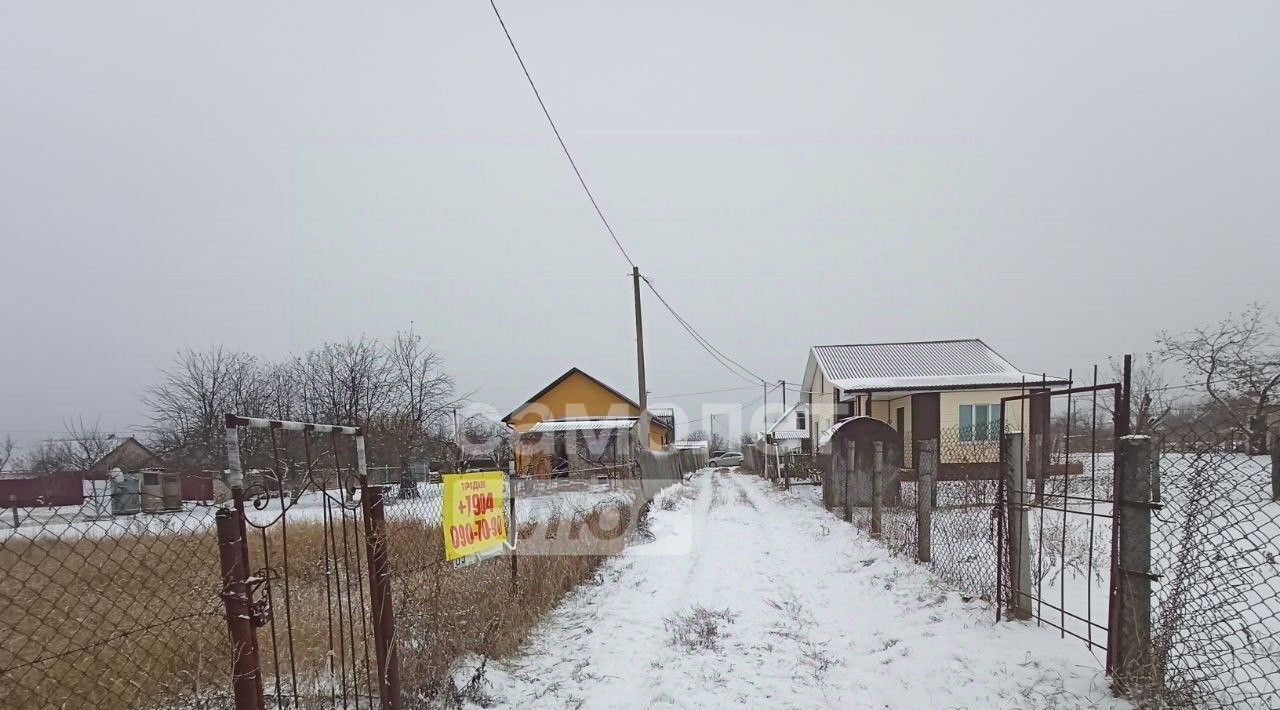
(1060, 181)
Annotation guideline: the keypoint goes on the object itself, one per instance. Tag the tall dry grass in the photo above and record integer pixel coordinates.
(135, 621)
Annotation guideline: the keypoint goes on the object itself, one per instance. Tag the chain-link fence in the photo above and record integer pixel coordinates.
(111, 609)
(319, 574)
(1215, 547)
(963, 528)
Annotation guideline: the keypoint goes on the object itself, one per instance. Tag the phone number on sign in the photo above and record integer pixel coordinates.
(466, 534)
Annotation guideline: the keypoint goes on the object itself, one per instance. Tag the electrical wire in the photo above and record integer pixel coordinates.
(572, 163)
(725, 361)
(739, 408)
(690, 394)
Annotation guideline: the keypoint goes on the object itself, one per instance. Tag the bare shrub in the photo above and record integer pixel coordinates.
(698, 629)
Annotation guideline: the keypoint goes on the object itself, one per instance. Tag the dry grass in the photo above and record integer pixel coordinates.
(109, 622)
(136, 622)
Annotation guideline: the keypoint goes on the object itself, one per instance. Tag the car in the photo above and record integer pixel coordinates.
(479, 463)
(726, 458)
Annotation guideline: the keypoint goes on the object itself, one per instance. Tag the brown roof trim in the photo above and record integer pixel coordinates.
(568, 373)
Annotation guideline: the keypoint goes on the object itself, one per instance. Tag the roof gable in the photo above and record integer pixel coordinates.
(593, 381)
(130, 454)
(933, 364)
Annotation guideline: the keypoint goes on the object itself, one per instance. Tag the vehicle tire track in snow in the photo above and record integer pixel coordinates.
(779, 604)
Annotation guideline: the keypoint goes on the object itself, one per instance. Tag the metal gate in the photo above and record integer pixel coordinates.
(1056, 558)
(304, 569)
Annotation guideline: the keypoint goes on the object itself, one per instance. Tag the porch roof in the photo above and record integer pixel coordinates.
(551, 425)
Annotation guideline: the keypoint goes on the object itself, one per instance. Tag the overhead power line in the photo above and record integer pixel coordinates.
(739, 408)
(691, 394)
(728, 363)
(572, 163)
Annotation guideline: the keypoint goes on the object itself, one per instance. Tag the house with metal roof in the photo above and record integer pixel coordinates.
(790, 432)
(939, 389)
(579, 423)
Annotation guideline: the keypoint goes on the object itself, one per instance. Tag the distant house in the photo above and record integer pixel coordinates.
(578, 422)
(690, 445)
(129, 455)
(940, 389)
(791, 432)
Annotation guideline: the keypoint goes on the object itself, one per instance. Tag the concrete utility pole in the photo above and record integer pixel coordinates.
(644, 391)
(765, 385)
(783, 385)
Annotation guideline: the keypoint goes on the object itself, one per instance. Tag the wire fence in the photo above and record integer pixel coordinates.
(109, 611)
(964, 529)
(122, 597)
(1216, 550)
(1160, 551)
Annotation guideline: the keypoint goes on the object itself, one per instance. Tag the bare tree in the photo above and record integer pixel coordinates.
(715, 442)
(420, 395)
(342, 383)
(1150, 402)
(6, 451)
(45, 458)
(84, 445)
(1237, 361)
(192, 397)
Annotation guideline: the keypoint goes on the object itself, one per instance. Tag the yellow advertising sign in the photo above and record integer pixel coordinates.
(472, 517)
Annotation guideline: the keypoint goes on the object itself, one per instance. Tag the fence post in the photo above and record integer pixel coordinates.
(828, 489)
(1019, 563)
(1155, 471)
(13, 503)
(384, 619)
(877, 479)
(1132, 634)
(245, 669)
(1275, 465)
(927, 468)
(512, 531)
(851, 453)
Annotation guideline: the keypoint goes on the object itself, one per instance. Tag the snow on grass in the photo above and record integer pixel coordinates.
(780, 604)
(537, 501)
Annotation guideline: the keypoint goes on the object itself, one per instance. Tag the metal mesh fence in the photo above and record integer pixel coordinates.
(898, 515)
(1216, 551)
(110, 611)
(443, 613)
(964, 543)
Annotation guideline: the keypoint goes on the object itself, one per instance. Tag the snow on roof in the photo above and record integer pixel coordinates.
(825, 437)
(550, 425)
(935, 364)
(788, 433)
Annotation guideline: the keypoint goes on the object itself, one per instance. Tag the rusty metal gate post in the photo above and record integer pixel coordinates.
(246, 671)
(384, 620)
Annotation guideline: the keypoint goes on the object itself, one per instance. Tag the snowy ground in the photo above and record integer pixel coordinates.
(776, 603)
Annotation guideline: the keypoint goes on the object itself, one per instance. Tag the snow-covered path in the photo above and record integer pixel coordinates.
(778, 604)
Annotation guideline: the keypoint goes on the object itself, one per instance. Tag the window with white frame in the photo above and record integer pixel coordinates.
(801, 425)
(979, 422)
